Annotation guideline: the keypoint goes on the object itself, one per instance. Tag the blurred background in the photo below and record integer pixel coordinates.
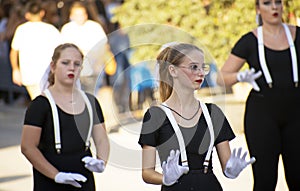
(136, 30)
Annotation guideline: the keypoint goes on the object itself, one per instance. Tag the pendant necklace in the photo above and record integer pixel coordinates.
(181, 115)
(72, 101)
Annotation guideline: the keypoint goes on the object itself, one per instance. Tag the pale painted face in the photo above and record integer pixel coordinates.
(68, 66)
(191, 71)
(270, 11)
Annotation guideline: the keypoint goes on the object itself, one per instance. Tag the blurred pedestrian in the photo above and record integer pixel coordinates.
(58, 125)
(51, 13)
(121, 79)
(184, 130)
(272, 51)
(13, 16)
(3, 41)
(91, 38)
(14, 12)
(94, 8)
(31, 49)
(142, 86)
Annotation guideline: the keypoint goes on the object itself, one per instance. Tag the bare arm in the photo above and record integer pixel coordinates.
(148, 172)
(101, 141)
(29, 147)
(224, 152)
(14, 60)
(228, 73)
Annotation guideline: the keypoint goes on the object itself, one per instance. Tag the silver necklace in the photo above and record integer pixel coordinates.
(73, 100)
(181, 115)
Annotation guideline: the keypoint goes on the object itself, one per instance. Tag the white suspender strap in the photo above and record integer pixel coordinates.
(261, 55)
(178, 133)
(181, 140)
(293, 54)
(262, 59)
(55, 121)
(212, 135)
(90, 110)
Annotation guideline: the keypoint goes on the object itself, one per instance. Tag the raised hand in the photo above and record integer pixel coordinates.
(249, 76)
(236, 163)
(172, 171)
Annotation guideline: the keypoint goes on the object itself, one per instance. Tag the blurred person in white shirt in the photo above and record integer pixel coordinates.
(31, 49)
(91, 38)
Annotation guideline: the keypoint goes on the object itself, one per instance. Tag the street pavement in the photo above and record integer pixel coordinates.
(123, 171)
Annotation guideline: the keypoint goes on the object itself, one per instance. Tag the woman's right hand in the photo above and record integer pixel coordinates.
(69, 178)
(172, 171)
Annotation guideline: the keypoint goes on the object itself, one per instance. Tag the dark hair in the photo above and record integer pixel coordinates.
(56, 56)
(258, 19)
(33, 7)
(174, 55)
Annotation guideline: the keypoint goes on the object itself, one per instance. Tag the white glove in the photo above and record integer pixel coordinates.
(236, 164)
(172, 170)
(249, 76)
(69, 178)
(94, 165)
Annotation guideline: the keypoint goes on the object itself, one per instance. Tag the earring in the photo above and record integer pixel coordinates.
(257, 19)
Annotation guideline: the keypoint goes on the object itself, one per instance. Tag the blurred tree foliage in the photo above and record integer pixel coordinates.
(292, 11)
(214, 25)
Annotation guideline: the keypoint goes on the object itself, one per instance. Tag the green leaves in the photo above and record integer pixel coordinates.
(188, 21)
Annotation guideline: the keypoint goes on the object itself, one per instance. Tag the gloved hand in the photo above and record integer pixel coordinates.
(94, 165)
(236, 164)
(249, 76)
(172, 170)
(69, 178)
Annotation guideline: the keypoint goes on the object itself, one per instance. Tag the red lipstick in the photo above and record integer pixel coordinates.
(199, 81)
(71, 76)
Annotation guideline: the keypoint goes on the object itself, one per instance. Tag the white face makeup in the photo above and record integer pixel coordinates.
(193, 68)
(68, 66)
(270, 11)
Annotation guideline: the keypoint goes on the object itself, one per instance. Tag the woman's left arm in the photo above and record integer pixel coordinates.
(101, 141)
(224, 152)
